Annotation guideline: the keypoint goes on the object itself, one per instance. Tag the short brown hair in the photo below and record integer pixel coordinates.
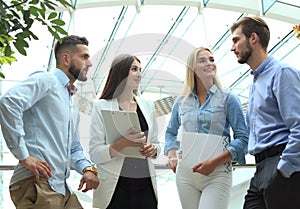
(68, 43)
(256, 25)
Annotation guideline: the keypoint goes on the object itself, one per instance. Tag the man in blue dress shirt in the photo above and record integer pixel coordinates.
(39, 129)
(273, 119)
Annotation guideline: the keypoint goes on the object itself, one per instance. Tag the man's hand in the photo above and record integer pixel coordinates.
(37, 166)
(90, 180)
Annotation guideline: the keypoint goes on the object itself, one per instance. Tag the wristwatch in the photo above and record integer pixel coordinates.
(92, 169)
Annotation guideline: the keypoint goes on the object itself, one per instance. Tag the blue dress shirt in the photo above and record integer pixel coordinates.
(221, 111)
(273, 116)
(36, 120)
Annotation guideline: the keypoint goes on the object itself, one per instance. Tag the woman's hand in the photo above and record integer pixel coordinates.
(205, 168)
(173, 160)
(132, 138)
(172, 163)
(148, 150)
(135, 136)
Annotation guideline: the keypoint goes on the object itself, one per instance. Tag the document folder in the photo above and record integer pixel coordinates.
(199, 147)
(117, 123)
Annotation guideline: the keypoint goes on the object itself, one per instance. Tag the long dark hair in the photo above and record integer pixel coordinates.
(117, 76)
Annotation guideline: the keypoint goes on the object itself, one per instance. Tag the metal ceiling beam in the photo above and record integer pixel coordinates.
(164, 41)
(85, 4)
(107, 46)
(266, 5)
(280, 10)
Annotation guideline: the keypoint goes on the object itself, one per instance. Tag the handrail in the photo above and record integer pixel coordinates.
(157, 166)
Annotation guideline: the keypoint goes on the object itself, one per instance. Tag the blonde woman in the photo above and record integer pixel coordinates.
(205, 107)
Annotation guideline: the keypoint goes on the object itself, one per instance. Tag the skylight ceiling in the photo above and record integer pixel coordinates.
(163, 32)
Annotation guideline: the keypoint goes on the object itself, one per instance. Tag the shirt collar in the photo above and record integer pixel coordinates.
(212, 90)
(261, 67)
(61, 76)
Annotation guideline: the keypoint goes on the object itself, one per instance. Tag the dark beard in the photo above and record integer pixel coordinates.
(245, 56)
(81, 76)
(73, 71)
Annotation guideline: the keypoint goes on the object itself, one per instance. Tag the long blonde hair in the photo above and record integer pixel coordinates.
(190, 80)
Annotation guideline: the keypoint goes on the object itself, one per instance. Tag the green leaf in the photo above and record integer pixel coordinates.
(25, 34)
(34, 2)
(2, 75)
(48, 4)
(51, 3)
(20, 46)
(58, 22)
(34, 11)
(2, 41)
(65, 3)
(43, 13)
(33, 36)
(28, 21)
(52, 15)
(41, 21)
(15, 14)
(7, 60)
(51, 30)
(60, 30)
(19, 8)
(43, 6)
(7, 51)
(53, 33)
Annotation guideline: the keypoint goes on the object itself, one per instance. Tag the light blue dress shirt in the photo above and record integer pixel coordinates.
(36, 120)
(221, 111)
(273, 116)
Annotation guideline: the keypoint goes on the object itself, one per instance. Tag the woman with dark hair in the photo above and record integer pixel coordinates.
(126, 182)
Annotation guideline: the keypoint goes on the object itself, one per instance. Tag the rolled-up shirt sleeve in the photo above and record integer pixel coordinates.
(238, 146)
(171, 142)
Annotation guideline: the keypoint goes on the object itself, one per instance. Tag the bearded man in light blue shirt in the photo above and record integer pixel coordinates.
(273, 118)
(38, 126)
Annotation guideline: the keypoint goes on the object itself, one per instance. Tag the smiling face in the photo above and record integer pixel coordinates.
(205, 65)
(134, 76)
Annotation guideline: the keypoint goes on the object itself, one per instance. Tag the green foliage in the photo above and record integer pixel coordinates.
(16, 19)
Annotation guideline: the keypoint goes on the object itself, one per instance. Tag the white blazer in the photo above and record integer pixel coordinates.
(110, 168)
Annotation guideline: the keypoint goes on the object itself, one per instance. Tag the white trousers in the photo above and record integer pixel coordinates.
(197, 191)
